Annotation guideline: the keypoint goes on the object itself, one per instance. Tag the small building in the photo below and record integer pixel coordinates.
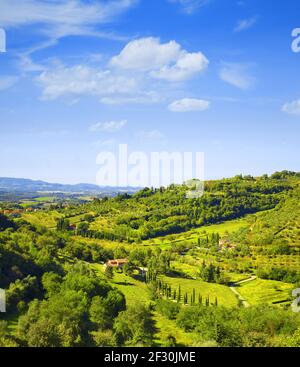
(117, 263)
(225, 244)
(15, 213)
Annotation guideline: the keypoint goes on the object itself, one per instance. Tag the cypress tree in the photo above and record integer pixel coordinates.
(207, 301)
(199, 299)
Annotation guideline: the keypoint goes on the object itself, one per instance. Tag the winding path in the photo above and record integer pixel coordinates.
(239, 296)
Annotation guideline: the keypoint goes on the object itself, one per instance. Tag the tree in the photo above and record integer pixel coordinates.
(63, 224)
(100, 313)
(88, 218)
(44, 333)
(170, 341)
(199, 299)
(134, 327)
(22, 290)
(167, 308)
(115, 302)
(51, 283)
(104, 338)
(6, 223)
(109, 272)
(194, 296)
(82, 228)
(128, 269)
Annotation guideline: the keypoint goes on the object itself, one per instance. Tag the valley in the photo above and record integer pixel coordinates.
(187, 264)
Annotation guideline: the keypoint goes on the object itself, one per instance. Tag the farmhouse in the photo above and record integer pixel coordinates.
(117, 263)
(13, 212)
(225, 244)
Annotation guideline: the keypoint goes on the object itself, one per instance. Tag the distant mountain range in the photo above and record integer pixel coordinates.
(8, 184)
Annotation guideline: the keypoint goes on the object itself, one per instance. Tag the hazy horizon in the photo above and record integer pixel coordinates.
(92, 183)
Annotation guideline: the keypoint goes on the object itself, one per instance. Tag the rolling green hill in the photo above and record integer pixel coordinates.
(216, 270)
(278, 226)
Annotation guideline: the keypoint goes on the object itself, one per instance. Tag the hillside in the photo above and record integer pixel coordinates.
(157, 212)
(229, 258)
(278, 226)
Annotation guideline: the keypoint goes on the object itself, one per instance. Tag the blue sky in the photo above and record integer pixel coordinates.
(212, 76)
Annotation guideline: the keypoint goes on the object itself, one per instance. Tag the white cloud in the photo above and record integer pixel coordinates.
(150, 135)
(167, 61)
(7, 82)
(245, 24)
(190, 6)
(26, 64)
(186, 67)
(292, 108)
(146, 54)
(61, 18)
(188, 105)
(132, 78)
(110, 87)
(83, 80)
(108, 126)
(237, 75)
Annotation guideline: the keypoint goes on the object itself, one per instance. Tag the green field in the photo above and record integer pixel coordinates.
(133, 289)
(45, 219)
(42, 199)
(27, 203)
(191, 236)
(261, 291)
(221, 292)
(136, 291)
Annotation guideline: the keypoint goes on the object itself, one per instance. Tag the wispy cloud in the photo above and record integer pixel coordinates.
(292, 108)
(237, 74)
(81, 80)
(60, 18)
(190, 6)
(142, 97)
(108, 126)
(189, 104)
(244, 24)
